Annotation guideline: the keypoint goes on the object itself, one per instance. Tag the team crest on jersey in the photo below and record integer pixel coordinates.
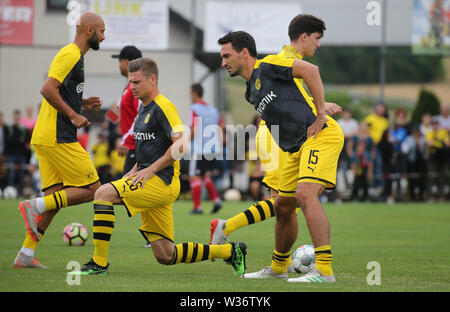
(257, 84)
(90, 174)
(147, 118)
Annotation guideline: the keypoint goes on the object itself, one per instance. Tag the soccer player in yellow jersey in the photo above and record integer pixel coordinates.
(312, 140)
(152, 185)
(67, 172)
(272, 158)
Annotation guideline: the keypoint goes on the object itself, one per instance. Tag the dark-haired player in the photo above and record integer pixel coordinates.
(312, 140)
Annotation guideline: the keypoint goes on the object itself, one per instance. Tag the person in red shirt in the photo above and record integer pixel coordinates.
(128, 108)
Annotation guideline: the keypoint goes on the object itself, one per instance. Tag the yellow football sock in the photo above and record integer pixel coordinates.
(193, 252)
(256, 213)
(104, 220)
(56, 200)
(280, 261)
(323, 259)
(29, 242)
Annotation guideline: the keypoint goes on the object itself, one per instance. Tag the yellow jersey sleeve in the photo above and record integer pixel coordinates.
(64, 61)
(170, 120)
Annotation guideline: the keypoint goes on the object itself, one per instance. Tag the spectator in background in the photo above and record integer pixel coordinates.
(350, 128)
(425, 126)
(378, 123)
(386, 149)
(3, 130)
(348, 125)
(100, 152)
(2, 136)
(444, 117)
(117, 161)
(128, 106)
(399, 133)
(438, 143)
(16, 138)
(360, 149)
(28, 121)
(415, 147)
(202, 116)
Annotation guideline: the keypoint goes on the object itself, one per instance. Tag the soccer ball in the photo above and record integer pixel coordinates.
(303, 259)
(232, 195)
(75, 234)
(10, 192)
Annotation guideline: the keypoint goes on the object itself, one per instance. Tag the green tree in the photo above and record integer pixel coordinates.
(426, 103)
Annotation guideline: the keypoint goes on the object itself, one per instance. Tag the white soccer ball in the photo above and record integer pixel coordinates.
(232, 195)
(10, 192)
(303, 259)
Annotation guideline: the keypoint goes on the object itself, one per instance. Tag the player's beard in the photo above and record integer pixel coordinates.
(93, 42)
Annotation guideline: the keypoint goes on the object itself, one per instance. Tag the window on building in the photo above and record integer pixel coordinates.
(57, 5)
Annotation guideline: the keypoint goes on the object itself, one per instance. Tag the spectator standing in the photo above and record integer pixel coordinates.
(386, 150)
(348, 125)
(16, 138)
(425, 126)
(415, 147)
(399, 133)
(2, 136)
(438, 143)
(350, 128)
(100, 152)
(444, 117)
(28, 121)
(360, 149)
(378, 123)
(3, 131)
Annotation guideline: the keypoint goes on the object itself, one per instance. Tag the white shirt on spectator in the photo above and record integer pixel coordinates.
(349, 127)
(444, 122)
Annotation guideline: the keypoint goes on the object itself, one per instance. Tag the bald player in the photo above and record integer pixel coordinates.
(67, 172)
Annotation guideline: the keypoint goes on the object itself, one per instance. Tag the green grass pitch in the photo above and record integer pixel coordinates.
(409, 241)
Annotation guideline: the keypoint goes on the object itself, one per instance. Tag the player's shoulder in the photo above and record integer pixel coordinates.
(274, 60)
(70, 49)
(165, 105)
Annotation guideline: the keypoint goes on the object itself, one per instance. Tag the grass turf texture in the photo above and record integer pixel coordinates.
(408, 240)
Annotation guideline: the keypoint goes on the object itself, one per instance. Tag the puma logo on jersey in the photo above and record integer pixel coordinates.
(265, 101)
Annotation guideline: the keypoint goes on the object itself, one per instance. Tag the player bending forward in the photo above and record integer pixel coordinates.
(153, 185)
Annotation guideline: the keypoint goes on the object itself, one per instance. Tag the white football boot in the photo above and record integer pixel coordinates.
(267, 272)
(24, 261)
(218, 237)
(313, 277)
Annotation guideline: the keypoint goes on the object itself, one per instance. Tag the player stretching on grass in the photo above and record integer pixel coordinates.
(312, 140)
(68, 175)
(153, 185)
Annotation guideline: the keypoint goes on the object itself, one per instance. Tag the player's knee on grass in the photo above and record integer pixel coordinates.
(163, 250)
